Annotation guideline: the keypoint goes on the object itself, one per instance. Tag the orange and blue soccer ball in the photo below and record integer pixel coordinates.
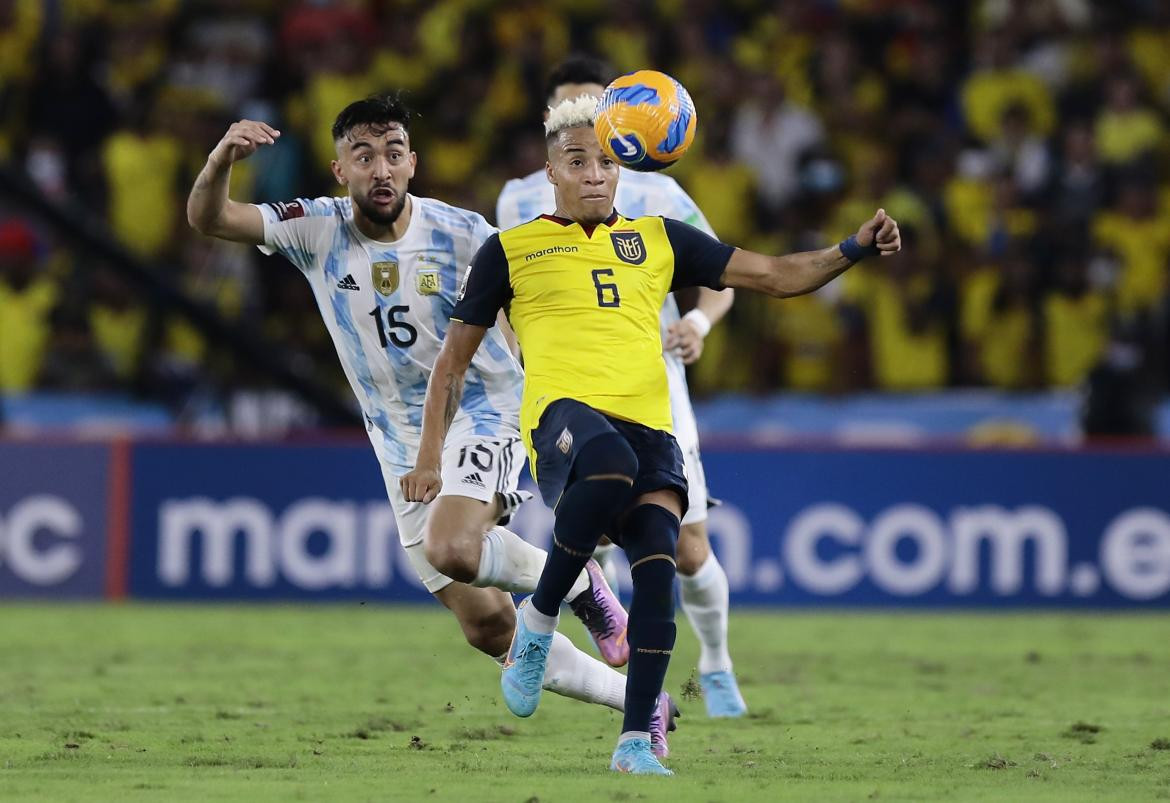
(646, 120)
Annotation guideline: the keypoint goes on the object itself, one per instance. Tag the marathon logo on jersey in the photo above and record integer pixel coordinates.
(629, 247)
(287, 211)
(428, 282)
(556, 249)
(385, 276)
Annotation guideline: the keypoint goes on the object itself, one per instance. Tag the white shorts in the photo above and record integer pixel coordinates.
(478, 467)
(686, 432)
(696, 487)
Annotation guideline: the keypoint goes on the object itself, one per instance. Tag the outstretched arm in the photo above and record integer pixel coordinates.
(209, 210)
(804, 272)
(444, 392)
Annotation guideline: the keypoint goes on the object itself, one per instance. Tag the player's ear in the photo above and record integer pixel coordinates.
(549, 174)
(337, 174)
(413, 164)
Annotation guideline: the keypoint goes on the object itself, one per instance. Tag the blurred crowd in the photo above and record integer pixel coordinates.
(1020, 143)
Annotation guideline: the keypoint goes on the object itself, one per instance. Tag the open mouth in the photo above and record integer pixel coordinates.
(382, 195)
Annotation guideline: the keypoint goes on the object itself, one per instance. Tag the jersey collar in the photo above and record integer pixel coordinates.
(564, 221)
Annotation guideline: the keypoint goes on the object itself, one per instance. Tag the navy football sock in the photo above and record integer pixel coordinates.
(649, 535)
(583, 516)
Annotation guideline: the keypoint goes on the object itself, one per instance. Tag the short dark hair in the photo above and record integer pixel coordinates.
(578, 69)
(377, 111)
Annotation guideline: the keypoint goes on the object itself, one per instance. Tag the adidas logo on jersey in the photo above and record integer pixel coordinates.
(348, 283)
(474, 479)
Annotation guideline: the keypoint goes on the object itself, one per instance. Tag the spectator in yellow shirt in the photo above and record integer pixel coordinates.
(906, 309)
(27, 297)
(1140, 237)
(1000, 325)
(1076, 319)
(998, 83)
(1126, 130)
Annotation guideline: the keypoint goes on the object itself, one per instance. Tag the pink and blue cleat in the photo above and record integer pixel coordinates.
(662, 723)
(602, 613)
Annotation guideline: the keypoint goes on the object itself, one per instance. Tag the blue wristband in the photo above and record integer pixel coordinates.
(854, 252)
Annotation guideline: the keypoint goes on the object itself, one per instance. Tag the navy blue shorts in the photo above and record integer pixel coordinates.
(567, 425)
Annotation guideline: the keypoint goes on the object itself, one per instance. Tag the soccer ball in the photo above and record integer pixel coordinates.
(645, 120)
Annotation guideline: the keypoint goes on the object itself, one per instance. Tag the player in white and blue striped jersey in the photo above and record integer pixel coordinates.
(702, 581)
(385, 268)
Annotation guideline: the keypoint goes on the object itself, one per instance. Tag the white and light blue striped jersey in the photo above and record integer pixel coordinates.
(387, 306)
(638, 194)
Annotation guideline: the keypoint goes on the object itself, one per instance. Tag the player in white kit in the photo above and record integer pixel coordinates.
(385, 267)
(702, 581)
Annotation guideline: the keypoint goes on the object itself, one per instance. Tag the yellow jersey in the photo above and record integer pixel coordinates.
(584, 301)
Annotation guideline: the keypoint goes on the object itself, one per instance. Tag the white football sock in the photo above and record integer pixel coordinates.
(627, 735)
(508, 562)
(580, 586)
(705, 601)
(572, 673)
(539, 622)
(605, 555)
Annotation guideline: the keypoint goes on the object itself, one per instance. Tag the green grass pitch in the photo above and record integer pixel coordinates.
(347, 702)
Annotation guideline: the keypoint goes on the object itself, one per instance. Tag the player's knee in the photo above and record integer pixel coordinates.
(454, 551)
(606, 455)
(693, 548)
(490, 632)
(649, 534)
(650, 531)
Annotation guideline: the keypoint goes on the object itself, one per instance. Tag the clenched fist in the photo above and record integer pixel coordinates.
(421, 484)
(880, 230)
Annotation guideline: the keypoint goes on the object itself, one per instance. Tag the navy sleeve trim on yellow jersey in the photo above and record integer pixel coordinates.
(486, 286)
(699, 259)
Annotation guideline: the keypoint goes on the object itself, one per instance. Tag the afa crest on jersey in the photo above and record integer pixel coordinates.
(385, 276)
(427, 282)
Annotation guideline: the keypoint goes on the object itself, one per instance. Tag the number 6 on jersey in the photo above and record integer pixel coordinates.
(615, 298)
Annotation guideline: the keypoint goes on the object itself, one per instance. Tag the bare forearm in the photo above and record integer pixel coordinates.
(714, 304)
(785, 276)
(797, 274)
(209, 196)
(804, 272)
(444, 392)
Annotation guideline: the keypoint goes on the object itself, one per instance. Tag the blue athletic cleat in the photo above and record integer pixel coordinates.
(721, 694)
(634, 756)
(524, 667)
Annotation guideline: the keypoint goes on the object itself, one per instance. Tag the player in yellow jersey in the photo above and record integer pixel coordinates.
(582, 289)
